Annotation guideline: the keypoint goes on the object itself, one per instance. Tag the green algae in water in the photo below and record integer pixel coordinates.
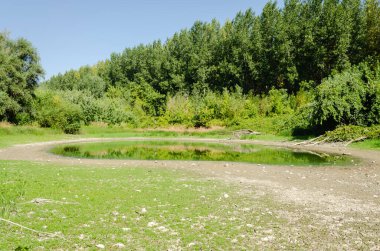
(170, 150)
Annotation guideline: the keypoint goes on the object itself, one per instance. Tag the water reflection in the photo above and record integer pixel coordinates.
(168, 150)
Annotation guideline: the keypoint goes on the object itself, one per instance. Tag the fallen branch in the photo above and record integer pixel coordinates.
(309, 141)
(321, 141)
(52, 235)
(44, 201)
(355, 140)
(242, 132)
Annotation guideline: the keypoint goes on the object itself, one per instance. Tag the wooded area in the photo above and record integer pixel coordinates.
(311, 64)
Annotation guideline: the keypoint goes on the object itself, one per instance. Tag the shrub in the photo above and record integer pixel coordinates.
(179, 109)
(351, 132)
(55, 112)
(277, 102)
(348, 98)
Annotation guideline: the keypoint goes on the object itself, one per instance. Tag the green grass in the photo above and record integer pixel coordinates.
(119, 131)
(370, 144)
(99, 205)
(11, 135)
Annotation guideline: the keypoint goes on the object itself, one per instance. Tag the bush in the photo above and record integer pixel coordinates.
(72, 123)
(55, 112)
(351, 132)
(179, 110)
(277, 102)
(348, 98)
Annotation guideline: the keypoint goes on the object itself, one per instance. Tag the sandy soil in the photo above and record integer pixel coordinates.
(341, 202)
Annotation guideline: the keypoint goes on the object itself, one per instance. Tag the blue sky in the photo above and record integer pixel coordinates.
(72, 33)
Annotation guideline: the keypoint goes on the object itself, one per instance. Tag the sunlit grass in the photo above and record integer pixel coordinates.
(147, 208)
(367, 144)
(10, 135)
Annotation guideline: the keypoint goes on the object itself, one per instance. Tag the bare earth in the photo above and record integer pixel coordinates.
(326, 207)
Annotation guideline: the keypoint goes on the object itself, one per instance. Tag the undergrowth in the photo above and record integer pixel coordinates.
(352, 133)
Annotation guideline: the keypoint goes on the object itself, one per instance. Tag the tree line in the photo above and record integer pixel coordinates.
(313, 53)
(305, 41)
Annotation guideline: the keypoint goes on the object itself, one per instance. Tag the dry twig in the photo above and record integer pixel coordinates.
(52, 235)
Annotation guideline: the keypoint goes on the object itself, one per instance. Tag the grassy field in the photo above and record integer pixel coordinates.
(83, 207)
(87, 207)
(371, 144)
(10, 135)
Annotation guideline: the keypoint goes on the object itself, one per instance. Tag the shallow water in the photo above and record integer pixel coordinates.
(170, 150)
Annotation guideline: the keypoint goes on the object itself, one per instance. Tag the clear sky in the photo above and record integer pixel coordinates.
(72, 33)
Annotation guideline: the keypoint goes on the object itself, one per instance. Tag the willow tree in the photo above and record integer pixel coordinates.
(20, 71)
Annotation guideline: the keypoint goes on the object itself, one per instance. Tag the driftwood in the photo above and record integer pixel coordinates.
(242, 132)
(310, 141)
(323, 139)
(355, 140)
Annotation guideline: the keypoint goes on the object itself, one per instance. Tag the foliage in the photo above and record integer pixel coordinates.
(348, 133)
(20, 71)
(211, 108)
(55, 112)
(314, 63)
(279, 49)
(350, 97)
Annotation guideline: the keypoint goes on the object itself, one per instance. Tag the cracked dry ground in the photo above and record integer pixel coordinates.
(324, 207)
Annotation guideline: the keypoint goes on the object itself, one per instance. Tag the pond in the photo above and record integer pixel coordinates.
(173, 150)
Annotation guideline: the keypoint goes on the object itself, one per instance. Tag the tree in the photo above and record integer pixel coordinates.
(351, 97)
(20, 71)
(278, 68)
(372, 29)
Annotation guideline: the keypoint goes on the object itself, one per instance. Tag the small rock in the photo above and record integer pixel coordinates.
(268, 238)
(100, 246)
(119, 245)
(162, 229)
(143, 210)
(191, 244)
(152, 224)
(269, 231)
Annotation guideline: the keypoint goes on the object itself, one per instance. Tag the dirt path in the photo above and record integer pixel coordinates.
(343, 200)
